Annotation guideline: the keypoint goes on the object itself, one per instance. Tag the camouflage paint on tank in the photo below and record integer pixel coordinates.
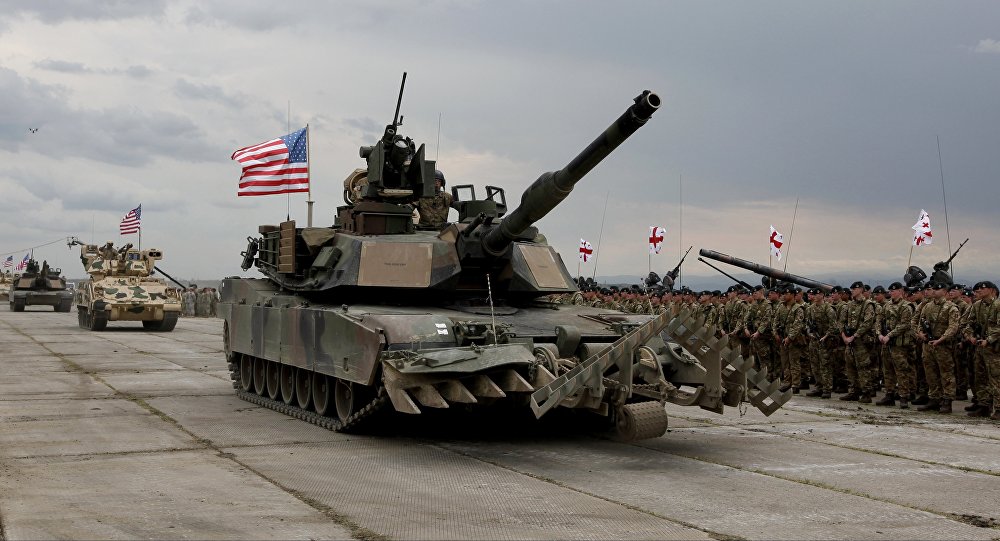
(121, 285)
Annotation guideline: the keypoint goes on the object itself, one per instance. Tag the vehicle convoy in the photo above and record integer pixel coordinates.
(121, 288)
(375, 312)
(43, 286)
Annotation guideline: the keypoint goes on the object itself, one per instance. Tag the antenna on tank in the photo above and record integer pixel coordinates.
(396, 119)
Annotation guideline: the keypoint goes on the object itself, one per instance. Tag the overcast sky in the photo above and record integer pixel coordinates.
(838, 105)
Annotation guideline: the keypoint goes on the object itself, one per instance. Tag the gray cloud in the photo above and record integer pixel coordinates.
(188, 90)
(62, 66)
(66, 66)
(990, 46)
(57, 11)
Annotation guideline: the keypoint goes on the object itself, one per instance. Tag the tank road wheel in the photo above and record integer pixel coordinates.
(246, 373)
(350, 397)
(287, 384)
(303, 387)
(640, 421)
(273, 377)
(166, 324)
(260, 376)
(321, 393)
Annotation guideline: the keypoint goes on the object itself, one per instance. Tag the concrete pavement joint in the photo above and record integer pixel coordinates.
(714, 535)
(357, 531)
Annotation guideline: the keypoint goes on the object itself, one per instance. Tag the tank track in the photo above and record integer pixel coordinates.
(378, 404)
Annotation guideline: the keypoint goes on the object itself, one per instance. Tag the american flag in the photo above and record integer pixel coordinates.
(9, 262)
(130, 223)
(24, 262)
(276, 166)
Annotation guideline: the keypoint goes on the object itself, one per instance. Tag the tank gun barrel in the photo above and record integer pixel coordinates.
(765, 270)
(552, 187)
(159, 270)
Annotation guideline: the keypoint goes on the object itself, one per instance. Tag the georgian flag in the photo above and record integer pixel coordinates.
(777, 239)
(922, 234)
(586, 251)
(656, 236)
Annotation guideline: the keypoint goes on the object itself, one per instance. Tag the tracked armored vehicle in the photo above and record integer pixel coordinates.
(121, 288)
(376, 313)
(5, 282)
(43, 286)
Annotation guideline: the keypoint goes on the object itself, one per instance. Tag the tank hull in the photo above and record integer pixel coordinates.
(59, 300)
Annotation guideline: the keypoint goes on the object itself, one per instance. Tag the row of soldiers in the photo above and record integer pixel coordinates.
(199, 302)
(923, 345)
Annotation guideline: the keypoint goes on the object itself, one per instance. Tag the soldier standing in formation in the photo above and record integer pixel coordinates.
(934, 326)
(821, 321)
(859, 320)
(896, 339)
(188, 301)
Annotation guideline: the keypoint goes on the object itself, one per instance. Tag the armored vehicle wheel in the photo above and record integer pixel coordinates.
(97, 321)
(260, 376)
(321, 393)
(303, 387)
(17, 305)
(246, 373)
(273, 376)
(640, 421)
(350, 397)
(287, 384)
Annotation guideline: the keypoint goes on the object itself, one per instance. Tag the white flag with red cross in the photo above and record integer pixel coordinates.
(586, 251)
(656, 236)
(922, 234)
(777, 240)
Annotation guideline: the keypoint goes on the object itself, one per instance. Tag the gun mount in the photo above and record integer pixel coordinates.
(764, 270)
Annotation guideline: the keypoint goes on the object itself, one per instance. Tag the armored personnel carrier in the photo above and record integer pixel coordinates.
(121, 288)
(376, 313)
(43, 286)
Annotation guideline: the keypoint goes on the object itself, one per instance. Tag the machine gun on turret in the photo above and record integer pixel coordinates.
(941, 268)
(671, 276)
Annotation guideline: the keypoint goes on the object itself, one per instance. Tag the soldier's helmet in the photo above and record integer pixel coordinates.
(438, 175)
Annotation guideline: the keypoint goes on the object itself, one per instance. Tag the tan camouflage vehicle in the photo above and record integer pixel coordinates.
(376, 313)
(121, 288)
(5, 282)
(40, 286)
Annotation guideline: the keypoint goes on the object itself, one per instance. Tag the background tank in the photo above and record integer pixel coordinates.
(121, 289)
(376, 313)
(6, 279)
(40, 287)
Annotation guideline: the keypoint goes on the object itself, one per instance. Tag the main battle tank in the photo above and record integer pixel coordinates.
(40, 287)
(121, 289)
(6, 280)
(377, 313)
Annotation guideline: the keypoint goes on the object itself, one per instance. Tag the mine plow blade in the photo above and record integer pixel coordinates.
(722, 376)
(587, 376)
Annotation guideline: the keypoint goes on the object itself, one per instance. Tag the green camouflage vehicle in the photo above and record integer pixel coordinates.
(121, 288)
(376, 313)
(40, 287)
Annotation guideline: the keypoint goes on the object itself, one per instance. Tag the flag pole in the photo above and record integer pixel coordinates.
(601, 235)
(788, 249)
(139, 231)
(309, 199)
(909, 258)
(680, 230)
(288, 129)
(945, 201)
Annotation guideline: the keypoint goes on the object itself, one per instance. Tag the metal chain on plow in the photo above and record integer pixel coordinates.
(380, 401)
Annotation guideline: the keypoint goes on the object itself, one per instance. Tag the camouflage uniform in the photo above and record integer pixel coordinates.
(897, 354)
(859, 320)
(780, 354)
(793, 342)
(434, 209)
(761, 345)
(941, 318)
(991, 355)
(187, 303)
(822, 321)
(202, 303)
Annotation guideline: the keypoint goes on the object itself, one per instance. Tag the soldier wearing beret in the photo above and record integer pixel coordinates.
(896, 339)
(975, 333)
(821, 321)
(935, 325)
(857, 335)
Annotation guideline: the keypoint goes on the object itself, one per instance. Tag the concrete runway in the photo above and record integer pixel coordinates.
(129, 434)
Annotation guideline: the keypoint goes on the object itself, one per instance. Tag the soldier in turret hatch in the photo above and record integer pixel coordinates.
(434, 210)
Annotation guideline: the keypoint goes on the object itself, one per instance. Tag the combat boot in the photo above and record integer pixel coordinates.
(932, 404)
(995, 416)
(850, 397)
(825, 395)
(945, 406)
(865, 399)
(795, 390)
(888, 400)
(815, 392)
(979, 411)
(961, 394)
(902, 403)
(973, 406)
(920, 400)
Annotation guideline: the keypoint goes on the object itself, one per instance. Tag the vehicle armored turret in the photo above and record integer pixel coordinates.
(40, 286)
(121, 288)
(375, 312)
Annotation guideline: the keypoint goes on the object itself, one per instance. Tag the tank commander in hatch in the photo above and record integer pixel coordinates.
(434, 210)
